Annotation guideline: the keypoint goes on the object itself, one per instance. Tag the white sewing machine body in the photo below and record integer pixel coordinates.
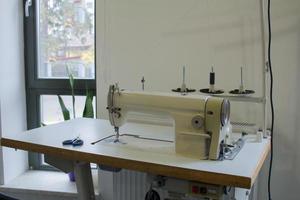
(201, 122)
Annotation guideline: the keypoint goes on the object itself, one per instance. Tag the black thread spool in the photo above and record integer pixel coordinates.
(211, 89)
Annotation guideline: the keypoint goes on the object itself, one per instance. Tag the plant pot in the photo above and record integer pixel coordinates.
(71, 176)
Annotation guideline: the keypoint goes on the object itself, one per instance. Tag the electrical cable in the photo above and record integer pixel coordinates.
(271, 97)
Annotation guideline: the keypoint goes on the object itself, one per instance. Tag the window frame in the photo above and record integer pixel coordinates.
(35, 86)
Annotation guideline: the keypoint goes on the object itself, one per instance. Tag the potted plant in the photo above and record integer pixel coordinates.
(88, 111)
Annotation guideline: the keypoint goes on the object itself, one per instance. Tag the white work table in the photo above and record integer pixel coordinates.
(141, 155)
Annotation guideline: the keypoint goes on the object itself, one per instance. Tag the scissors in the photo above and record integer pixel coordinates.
(74, 142)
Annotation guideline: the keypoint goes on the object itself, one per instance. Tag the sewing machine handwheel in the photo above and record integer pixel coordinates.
(225, 112)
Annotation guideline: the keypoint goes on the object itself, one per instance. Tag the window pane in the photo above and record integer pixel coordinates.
(51, 112)
(65, 35)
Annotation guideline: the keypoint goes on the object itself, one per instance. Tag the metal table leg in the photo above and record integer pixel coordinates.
(83, 175)
(84, 181)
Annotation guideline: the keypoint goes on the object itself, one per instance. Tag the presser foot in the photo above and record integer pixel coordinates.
(114, 140)
(109, 139)
(229, 152)
(117, 140)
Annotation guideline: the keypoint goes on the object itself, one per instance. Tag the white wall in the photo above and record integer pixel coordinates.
(154, 38)
(12, 84)
(1, 154)
(286, 63)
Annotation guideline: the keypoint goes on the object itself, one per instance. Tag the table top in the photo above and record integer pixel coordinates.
(142, 155)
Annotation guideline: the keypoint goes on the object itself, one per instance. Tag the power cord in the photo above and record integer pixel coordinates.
(271, 96)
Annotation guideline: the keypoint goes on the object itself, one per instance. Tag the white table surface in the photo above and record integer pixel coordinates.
(142, 155)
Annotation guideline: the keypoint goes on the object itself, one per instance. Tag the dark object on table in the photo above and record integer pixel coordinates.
(4, 197)
(74, 142)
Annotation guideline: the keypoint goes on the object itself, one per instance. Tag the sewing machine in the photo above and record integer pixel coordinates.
(202, 124)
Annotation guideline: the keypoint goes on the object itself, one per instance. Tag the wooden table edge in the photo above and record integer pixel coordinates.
(159, 169)
(261, 162)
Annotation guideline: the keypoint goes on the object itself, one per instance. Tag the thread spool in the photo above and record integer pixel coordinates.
(211, 89)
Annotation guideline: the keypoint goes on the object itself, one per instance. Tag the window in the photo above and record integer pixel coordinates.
(50, 111)
(65, 36)
(59, 39)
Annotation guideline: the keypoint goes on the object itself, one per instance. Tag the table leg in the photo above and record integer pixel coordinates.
(83, 175)
(84, 181)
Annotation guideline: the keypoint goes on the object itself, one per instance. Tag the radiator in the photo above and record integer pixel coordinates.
(129, 185)
(123, 185)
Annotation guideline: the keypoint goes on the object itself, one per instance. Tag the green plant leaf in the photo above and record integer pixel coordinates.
(88, 111)
(72, 83)
(71, 79)
(64, 110)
